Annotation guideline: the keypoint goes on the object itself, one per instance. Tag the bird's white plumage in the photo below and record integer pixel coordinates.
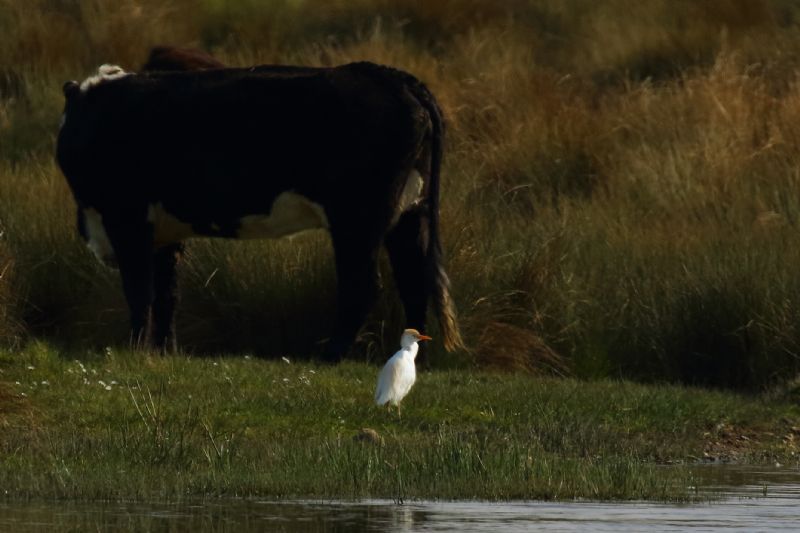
(398, 375)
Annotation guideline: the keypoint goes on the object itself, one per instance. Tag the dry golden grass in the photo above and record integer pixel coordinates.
(9, 329)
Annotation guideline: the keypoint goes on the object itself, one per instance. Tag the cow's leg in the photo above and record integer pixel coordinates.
(357, 288)
(132, 242)
(407, 244)
(165, 298)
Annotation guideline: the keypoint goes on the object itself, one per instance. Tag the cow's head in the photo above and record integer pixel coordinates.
(71, 89)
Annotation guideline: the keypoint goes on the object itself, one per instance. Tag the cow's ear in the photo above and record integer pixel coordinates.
(71, 88)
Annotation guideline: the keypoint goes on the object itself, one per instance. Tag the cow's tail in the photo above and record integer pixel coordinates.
(437, 278)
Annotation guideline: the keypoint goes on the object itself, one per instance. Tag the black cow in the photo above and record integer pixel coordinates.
(157, 157)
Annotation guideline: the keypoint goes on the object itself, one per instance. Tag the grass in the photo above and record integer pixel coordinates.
(124, 426)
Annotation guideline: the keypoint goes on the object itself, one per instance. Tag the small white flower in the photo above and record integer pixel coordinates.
(113, 382)
(312, 372)
(45, 382)
(31, 367)
(247, 357)
(101, 382)
(286, 360)
(23, 394)
(286, 380)
(17, 383)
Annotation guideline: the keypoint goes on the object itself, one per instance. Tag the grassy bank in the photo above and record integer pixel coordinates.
(121, 426)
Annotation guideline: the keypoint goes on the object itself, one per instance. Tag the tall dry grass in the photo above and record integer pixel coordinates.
(620, 185)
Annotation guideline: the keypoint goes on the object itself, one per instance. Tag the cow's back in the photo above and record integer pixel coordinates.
(251, 133)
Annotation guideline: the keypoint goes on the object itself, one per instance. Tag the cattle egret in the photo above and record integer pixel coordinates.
(399, 373)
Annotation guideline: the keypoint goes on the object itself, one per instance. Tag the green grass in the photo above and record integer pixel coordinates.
(125, 426)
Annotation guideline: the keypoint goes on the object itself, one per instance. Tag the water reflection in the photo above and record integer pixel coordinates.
(239, 515)
(753, 499)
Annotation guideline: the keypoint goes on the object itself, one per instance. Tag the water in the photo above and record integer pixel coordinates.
(751, 499)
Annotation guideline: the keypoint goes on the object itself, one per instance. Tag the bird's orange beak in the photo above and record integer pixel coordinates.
(425, 338)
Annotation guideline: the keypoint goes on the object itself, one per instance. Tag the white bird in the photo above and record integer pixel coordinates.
(399, 373)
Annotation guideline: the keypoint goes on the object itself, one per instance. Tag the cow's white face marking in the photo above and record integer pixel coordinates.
(96, 237)
(104, 73)
(290, 213)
